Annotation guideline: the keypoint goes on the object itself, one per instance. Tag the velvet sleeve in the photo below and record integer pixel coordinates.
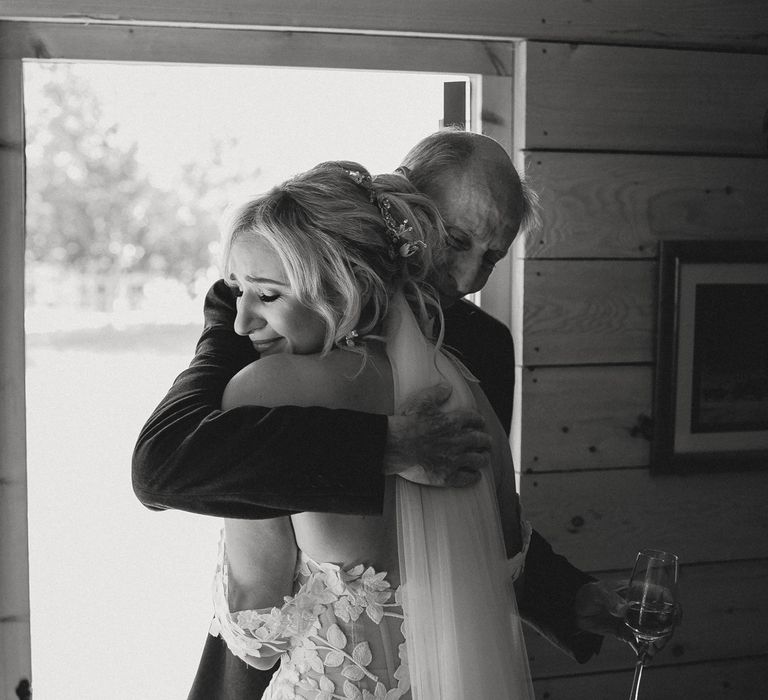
(485, 346)
(252, 462)
(545, 599)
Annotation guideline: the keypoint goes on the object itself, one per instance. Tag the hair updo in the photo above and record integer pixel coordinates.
(328, 229)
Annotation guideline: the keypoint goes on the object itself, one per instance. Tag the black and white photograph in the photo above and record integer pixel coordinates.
(383, 350)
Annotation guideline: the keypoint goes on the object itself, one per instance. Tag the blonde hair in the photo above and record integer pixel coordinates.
(327, 228)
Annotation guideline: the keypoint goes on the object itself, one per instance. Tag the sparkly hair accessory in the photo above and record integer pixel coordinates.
(362, 179)
(399, 244)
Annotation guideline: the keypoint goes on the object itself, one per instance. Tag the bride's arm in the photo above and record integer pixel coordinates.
(257, 570)
(282, 380)
(260, 555)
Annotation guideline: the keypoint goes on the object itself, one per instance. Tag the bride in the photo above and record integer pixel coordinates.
(330, 268)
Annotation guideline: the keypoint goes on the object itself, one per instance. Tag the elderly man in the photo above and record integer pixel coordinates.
(254, 462)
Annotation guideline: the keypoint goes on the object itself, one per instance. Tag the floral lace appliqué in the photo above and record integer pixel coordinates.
(319, 659)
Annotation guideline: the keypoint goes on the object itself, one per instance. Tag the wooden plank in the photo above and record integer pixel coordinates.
(232, 46)
(600, 519)
(611, 205)
(688, 22)
(494, 100)
(737, 679)
(725, 616)
(588, 311)
(583, 417)
(605, 98)
(15, 662)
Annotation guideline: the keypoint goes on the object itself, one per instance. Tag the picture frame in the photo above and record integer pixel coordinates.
(710, 400)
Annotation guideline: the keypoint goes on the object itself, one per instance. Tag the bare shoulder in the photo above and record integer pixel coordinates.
(269, 381)
(340, 379)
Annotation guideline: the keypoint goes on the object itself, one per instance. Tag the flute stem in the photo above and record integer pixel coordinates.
(635, 692)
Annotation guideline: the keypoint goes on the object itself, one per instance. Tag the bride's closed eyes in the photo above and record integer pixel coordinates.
(268, 310)
(266, 298)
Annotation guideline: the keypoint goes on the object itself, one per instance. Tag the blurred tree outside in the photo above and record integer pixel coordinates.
(100, 234)
(116, 265)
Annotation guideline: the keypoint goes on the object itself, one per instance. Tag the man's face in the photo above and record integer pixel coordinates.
(482, 215)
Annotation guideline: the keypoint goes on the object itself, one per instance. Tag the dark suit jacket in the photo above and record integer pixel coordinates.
(251, 462)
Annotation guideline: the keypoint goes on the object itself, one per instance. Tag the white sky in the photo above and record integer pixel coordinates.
(286, 119)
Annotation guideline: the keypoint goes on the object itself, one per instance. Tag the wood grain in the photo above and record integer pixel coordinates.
(599, 519)
(584, 417)
(611, 98)
(619, 205)
(15, 662)
(589, 311)
(724, 616)
(251, 47)
(655, 22)
(737, 679)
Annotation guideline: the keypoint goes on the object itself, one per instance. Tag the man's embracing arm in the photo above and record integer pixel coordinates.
(252, 462)
(256, 462)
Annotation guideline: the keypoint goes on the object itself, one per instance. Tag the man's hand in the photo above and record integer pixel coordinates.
(435, 448)
(600, 607)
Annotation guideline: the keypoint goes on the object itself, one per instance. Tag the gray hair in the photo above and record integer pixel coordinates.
(451, 151)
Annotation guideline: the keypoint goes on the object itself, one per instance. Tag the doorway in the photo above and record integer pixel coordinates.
(129, 168)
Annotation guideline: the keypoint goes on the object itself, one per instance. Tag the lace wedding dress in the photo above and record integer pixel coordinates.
(450, 631)
(342, 632)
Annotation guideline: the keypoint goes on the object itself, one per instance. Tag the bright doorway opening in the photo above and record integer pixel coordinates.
(129, 168)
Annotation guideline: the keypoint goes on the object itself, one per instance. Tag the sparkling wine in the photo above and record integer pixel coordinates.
(650, 622)
(651, 604)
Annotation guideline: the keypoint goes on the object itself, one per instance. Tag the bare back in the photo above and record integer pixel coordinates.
(255, 547)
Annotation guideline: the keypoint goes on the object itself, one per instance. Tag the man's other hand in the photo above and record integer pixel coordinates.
(435, 448)
(600, 608)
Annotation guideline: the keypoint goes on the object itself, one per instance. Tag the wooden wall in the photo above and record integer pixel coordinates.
(629, 146)
(15, 663)
(737, 24)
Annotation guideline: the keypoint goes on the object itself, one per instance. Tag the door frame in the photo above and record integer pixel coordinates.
(489, 63)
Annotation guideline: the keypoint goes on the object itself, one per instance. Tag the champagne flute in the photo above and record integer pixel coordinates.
(651, 604)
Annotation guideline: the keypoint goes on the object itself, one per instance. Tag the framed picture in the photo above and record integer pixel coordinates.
(710, 401)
